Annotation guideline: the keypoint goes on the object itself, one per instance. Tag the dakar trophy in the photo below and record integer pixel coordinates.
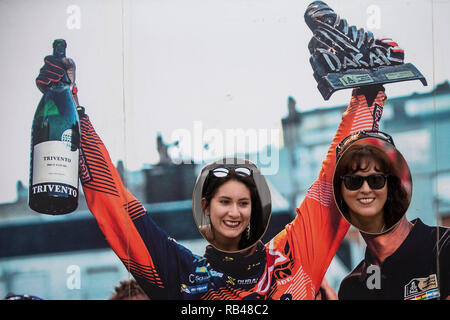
(343, 56)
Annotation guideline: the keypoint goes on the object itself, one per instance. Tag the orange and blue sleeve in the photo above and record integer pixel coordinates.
(318, 229)
(148, 253)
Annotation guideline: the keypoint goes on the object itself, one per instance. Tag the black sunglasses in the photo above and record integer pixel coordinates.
(222, 172)
(354, 182)
(344, 144)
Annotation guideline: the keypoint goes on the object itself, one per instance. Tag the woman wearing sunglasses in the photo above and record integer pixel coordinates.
(372, 189)
(364, 175)
(291, 266)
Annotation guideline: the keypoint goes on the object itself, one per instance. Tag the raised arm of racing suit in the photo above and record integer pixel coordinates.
(154, 259)
(312, 239)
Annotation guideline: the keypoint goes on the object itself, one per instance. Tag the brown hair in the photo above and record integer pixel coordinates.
(128, 290)
(352, 160)
(257, 223)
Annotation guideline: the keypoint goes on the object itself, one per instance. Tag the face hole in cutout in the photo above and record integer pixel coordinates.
(372, 208)
(231, 204)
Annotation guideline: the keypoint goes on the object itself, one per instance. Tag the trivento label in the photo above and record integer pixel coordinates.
(54, 162)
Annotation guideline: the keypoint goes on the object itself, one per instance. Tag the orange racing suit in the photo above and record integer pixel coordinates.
(290, 266)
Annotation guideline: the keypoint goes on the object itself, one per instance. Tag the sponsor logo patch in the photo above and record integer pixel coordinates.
(216, 274)
(85, 173)
(201, 270)
(422, 288)
(199, 289)
(377, 112)
(194, 289)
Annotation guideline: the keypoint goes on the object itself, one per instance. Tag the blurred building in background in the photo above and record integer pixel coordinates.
(67, 257)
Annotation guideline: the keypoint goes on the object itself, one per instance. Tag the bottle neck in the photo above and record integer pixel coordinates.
(59, 86)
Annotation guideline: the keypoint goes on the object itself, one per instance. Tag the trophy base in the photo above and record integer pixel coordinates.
(352, 78)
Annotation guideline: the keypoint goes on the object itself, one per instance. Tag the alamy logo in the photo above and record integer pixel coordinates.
(73, 281)
(202, 145)
(374, 277)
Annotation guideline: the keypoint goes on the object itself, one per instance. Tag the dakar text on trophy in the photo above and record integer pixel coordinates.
(343, 56)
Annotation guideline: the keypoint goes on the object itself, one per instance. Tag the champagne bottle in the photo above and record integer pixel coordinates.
(55, 141)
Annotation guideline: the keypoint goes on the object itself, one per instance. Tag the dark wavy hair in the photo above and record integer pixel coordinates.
(352, 160)
(257, 223)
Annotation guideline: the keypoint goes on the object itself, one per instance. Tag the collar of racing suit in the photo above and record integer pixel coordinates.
(245, 264)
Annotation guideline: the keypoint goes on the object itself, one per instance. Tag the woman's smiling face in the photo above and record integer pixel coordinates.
(366, 205)
(229, 211)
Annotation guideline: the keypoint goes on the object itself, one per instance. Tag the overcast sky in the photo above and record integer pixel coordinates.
(171, 66)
